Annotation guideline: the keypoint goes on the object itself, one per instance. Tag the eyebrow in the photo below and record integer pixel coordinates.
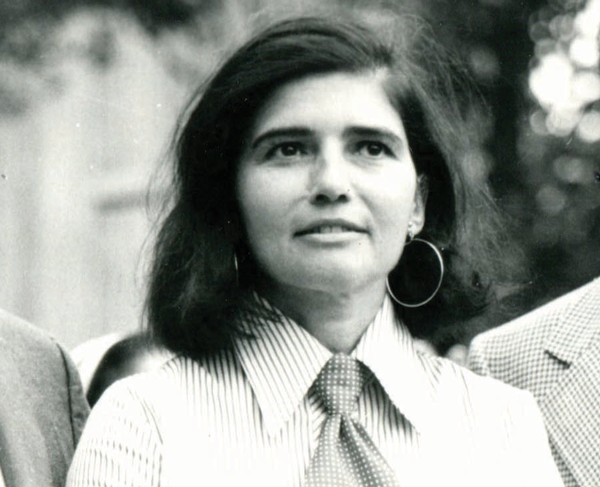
(282, 132)
(374, 132)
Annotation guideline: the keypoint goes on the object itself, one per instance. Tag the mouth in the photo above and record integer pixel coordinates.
(330, 227)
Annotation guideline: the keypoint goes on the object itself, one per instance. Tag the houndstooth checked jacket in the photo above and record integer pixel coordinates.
(554, 352)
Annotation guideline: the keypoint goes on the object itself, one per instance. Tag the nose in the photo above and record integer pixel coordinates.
(330, 181)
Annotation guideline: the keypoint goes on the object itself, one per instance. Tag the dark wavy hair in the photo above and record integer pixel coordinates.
(194, 290)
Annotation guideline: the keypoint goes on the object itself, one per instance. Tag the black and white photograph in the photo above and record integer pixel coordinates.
(300, 243)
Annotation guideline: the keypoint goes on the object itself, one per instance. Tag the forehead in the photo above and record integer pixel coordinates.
(330, 102)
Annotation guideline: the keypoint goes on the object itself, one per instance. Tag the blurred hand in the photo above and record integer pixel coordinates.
(424, 346)
(457, 353)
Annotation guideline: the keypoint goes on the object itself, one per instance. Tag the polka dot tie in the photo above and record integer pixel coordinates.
(346, 455)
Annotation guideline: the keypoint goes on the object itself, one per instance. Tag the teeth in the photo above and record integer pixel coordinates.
(331, 229)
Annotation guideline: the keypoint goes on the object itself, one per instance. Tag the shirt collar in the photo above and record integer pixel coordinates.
(406, 375)
(282, 360)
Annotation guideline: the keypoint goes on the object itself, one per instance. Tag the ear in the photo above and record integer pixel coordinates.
(417, 217)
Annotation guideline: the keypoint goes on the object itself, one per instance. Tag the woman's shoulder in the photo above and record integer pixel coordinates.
(500, 424)
(180, 379)
(133, 415)
(177, 373)
(483, 395)
(484, 406)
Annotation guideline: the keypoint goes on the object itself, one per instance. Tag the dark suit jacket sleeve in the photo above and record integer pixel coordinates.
(79, 408)
(42, 406)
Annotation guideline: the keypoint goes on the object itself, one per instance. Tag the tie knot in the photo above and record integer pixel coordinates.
(339, 383)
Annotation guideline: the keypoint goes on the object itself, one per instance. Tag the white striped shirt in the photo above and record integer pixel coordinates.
(248, 417)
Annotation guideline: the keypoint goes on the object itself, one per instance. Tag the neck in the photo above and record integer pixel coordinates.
(337, 320)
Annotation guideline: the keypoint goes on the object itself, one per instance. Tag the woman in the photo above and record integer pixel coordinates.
(308, 161)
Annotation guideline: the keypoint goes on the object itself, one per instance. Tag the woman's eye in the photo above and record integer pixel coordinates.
(285, 150)
(373, 149)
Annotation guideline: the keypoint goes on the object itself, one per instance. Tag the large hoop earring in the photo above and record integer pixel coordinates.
(437, 285)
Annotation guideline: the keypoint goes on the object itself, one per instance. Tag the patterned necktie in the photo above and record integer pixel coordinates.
(346, 455)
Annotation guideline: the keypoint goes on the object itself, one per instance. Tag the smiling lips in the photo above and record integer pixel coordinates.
(330, 228)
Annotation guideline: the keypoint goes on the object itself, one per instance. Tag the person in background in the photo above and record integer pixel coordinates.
(554, 352)
(42, 407)
(322, 213)
(87, 355)
(130, 355)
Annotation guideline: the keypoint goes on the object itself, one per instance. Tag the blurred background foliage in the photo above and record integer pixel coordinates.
(536, 62)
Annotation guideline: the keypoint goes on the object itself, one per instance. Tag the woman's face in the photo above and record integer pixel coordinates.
(326, 185)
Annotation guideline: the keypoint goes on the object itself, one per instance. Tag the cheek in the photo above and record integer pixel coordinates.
(394, 196)
(262, 201)
(392, 205)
